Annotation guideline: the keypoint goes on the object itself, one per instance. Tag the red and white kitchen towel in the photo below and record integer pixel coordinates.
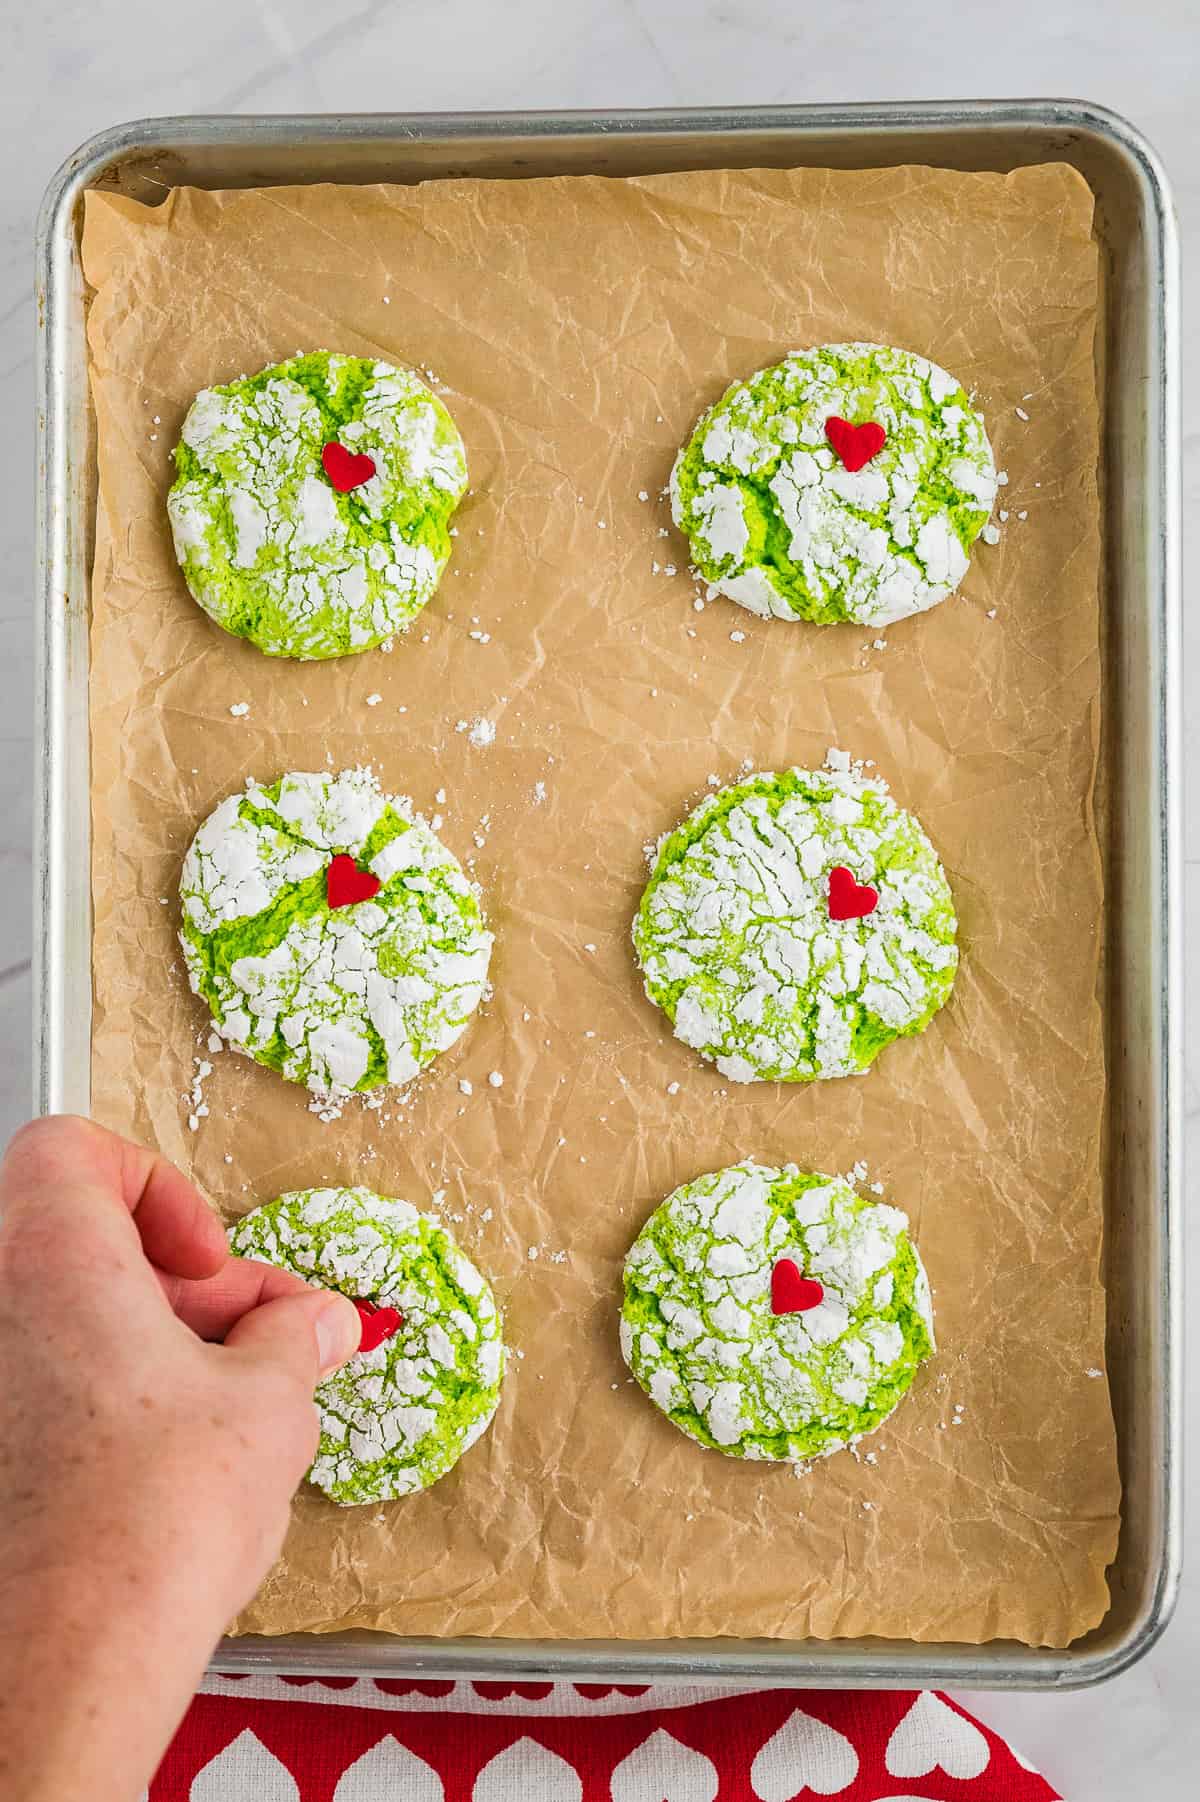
(344, 1739)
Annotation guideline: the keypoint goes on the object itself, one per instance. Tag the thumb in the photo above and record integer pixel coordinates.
(308, 1335)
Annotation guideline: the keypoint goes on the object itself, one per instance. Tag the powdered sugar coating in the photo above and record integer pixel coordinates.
(338, 999)
(780, 526)
(737, 946)
(394, 1419)
(270, 549)
(699, 1334)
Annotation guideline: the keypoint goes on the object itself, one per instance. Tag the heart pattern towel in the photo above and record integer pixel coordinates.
(347, 1739)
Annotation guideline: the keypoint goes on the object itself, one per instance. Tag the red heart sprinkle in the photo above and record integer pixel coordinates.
(850, 900)
(378, 1324)
(792, 1293)
(345, 883)
(855, 444)
(346, 470)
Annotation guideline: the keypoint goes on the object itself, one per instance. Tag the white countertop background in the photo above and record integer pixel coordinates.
(69, 69)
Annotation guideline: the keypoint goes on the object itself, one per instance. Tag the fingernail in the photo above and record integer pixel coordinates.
(338, 1329)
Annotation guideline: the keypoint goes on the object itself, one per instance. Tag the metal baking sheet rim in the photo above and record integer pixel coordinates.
(1147, 747)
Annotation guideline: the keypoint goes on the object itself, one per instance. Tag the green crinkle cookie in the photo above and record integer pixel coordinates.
(270, 548)
(775, 520)
(339, 998)
(736, 941)
(699, 1332)
(396, 1418)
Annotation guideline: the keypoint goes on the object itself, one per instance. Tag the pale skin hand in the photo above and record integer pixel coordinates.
(156, 1415)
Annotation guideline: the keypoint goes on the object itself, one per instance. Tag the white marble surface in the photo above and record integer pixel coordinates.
(67, 70)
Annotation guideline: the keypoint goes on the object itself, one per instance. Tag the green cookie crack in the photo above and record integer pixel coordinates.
(297, 985)
(789, 1407)
(762, 983)
(270, 549)
(854, 550)
(397, 1418)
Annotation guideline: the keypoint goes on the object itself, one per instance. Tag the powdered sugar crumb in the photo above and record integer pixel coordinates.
(202, 1070)
(326, 1107)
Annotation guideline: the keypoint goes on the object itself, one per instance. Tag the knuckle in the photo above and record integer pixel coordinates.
(31, 1250)
(53, 1138)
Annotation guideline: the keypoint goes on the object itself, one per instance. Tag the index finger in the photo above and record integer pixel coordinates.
(214, 1306)
(62, 1163)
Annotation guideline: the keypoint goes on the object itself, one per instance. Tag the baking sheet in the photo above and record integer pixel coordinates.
(578, 325)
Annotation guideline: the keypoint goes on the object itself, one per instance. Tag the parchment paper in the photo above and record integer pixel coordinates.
(578, 326)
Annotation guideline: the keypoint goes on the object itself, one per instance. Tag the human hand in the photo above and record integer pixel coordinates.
(145, 1471)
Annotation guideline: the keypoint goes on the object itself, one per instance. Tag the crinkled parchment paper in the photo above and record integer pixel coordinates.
(577, 326)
